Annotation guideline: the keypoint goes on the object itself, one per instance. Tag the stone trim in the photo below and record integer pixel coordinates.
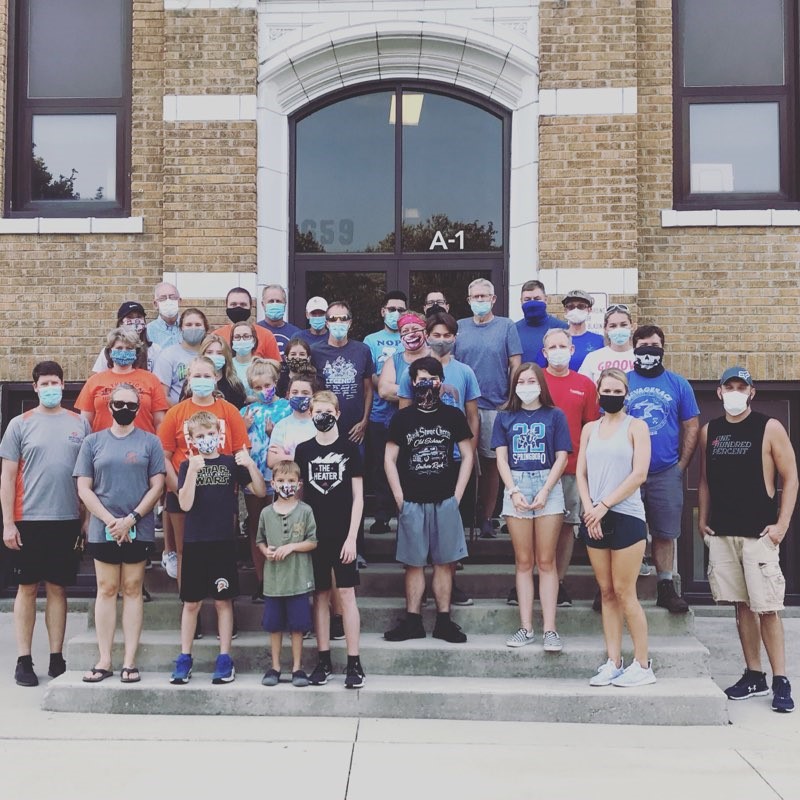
(193, 5)
(90, 225)
(585, 102)
(210, 285)
(730, 218)
(209, 107)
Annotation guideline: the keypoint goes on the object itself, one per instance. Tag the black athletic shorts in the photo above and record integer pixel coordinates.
(48, 552)
(208, 569)
(171, 504)
(126, 553)
(325, 557)
(619, 531)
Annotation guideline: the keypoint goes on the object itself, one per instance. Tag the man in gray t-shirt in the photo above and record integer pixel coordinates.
(491, 346)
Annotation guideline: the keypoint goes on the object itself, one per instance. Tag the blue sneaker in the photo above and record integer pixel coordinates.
(183, 670)
(224, 671)
(782, 695)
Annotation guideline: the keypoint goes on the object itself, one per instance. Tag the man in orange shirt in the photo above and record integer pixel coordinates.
(238, 307)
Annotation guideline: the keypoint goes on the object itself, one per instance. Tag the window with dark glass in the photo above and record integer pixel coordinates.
(735, 103)
(69, 108)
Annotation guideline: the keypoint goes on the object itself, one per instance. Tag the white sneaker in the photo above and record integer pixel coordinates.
(607, 672)
(170, 563)
(522, 637)
(551, 642)
(635, 675)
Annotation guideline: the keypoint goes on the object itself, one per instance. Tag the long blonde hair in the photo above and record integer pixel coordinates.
(228, 371)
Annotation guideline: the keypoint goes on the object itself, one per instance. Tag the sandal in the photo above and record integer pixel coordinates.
(96, 674)
(129, 675)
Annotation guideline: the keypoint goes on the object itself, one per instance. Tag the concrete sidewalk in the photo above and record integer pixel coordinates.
(84, 757)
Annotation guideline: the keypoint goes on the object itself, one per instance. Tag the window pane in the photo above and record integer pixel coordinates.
(345, 178)
(732, 42)
(74, 157)
(364, 292)
(452, 175)
(75, 48)
(452, 283)
(734, 147)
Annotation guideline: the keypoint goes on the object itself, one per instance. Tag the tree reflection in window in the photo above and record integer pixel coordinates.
(45, 186)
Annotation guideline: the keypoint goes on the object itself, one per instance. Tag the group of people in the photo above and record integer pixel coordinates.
(586, 438)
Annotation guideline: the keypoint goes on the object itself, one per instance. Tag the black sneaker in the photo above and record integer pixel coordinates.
(512, 599)
(564, 600)
(782, 695)
(668, 598)
(354, 678)
(380, 526)
(198, 631)
(487, 530)
(449, 631)
(146, 596)
(460, 598)
(337, 627)
(24, 674)
(320, 674)
(751, 684)
(597, 603)
(57, 665)
(406, 629)
(258, 596)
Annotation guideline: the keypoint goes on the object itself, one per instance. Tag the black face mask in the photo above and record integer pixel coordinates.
(323, 421)
(435, 309)
(426, 395)
(124, 416)
(648, 360)
(612, 403)
(238, 314)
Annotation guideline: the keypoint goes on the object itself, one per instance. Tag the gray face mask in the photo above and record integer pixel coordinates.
(442, 347)
(193, 336)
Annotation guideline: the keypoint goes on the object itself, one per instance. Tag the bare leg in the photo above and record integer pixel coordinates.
(25, 616)
(415, 588)
(255, 505)
(178, 524)
(276, 642)
(442, 586)
(663, 554)
(322, 619)
(772, 636)
(352, 620)
(547, 531)
(132, 610)
(189, 625)
(624, 573)
(749, 635)
(521, 531)
(105, 610)
(489, 486)
(55, 616)
(566, 544)
(224, 624)
(297, 650)
(612, 613)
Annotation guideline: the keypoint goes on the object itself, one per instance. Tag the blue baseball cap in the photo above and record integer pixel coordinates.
(736, 372)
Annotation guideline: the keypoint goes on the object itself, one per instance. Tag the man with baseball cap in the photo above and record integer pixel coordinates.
(743, 522)
(317, 330)
(577, 307)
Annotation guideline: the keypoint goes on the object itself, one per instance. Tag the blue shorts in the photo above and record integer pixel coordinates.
(619, 531)
(662, 495)
(287, 614)
(430, 533)
(530, 483)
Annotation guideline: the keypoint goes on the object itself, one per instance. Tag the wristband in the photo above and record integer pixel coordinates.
(136, 517)
(607, 508)
(514, 490)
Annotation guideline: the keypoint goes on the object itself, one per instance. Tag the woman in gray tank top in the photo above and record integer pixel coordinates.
(613, 461)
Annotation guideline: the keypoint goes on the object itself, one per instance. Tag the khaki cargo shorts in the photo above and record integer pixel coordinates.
(745, 570)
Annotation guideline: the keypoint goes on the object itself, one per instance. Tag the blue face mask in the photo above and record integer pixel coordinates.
(243, 348)
(219, 361)
(123, 358)
(300, 403)
(338, 329)
(535, 311)
(619, 336)
(317, 323)
(50, 396)
(202, 387)
(480, 308)
(275, 310)
(391, 319)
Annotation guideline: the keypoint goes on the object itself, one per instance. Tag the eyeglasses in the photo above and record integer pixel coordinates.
(118, 405)
(398, 309)
(163, 297)
(579, 306)
(617, 307)
(430, 303)
(243, 338)
(339, 318)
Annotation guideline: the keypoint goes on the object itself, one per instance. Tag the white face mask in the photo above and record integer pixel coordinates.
(168, 308)
(528, 392)
(735, 403)
(576, 316)
(559, 357)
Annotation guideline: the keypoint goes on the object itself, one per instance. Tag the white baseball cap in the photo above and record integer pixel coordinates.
(316, 304)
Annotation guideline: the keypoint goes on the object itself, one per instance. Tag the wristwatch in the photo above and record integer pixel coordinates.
(136, 517)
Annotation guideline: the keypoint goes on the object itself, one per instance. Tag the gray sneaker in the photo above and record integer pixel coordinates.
(522, 637)
(551, 642)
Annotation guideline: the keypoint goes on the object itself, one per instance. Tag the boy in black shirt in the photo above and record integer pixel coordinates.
(428, 484)
(207, 493)
(333, 485)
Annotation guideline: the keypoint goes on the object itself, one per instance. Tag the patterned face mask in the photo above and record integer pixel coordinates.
(286, 490)
(426, 394)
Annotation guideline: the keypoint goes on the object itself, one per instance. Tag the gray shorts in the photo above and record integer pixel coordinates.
(487, 416)
(662, 495)
(572, 500)
(430, 533)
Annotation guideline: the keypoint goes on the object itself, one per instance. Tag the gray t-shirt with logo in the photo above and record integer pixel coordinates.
(171, 368)
(120, 469)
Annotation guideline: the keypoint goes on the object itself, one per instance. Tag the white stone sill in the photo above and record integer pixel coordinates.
(730, 218)
(90, 225)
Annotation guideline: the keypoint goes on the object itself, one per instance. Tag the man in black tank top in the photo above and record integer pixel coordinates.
(742, 521)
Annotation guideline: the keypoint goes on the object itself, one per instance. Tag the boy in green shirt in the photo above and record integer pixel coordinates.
(287, 533)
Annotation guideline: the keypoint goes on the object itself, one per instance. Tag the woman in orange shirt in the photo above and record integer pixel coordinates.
(123, 346)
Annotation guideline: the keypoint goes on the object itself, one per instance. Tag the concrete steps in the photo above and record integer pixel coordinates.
(670, 701)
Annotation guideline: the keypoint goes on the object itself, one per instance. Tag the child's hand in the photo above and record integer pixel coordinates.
(269, 425)
(248, 417)
(270, 555)
(243, 458)
(283, 551)
(196, 463)
(348, 554)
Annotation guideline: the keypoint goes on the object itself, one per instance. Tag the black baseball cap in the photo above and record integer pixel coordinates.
(129, 307)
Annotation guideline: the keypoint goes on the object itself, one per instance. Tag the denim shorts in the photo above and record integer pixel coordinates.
(530, 483)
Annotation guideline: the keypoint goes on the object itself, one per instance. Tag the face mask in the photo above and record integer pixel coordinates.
(435, 309)
(123, 358)
(296, 363)
(576, 316)
(480, 308)
(300, 403)
(316, 323)
(137, 324)
(268, 394)
(193, 336)
(286, 490)
(619, 336)
(735, 403)
(275, 310)
(535, 311)
(219, 361)
(202, 387)
(50, 396)
(528, 392)
(390, 320)
(244, 347)
(426, 394)
(412, 341)
(207, 445)
(323, 421)
(611, 403)
(647, 360)
(238, 314)
(442, 347)
(124, 416)
(168, 309)
(338, 329)
(559, 357)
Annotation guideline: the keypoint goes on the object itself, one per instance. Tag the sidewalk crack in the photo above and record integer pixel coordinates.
(757, 771)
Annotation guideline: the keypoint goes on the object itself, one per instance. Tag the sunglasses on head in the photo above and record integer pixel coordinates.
(617, 307)
(118, 405)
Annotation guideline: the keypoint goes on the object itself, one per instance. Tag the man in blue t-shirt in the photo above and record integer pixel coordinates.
(577, 307)
(273, 300)
(666, 402)
(536, 321)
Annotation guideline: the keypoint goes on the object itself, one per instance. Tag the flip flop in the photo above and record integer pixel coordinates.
(97, 675)
(129, 675)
